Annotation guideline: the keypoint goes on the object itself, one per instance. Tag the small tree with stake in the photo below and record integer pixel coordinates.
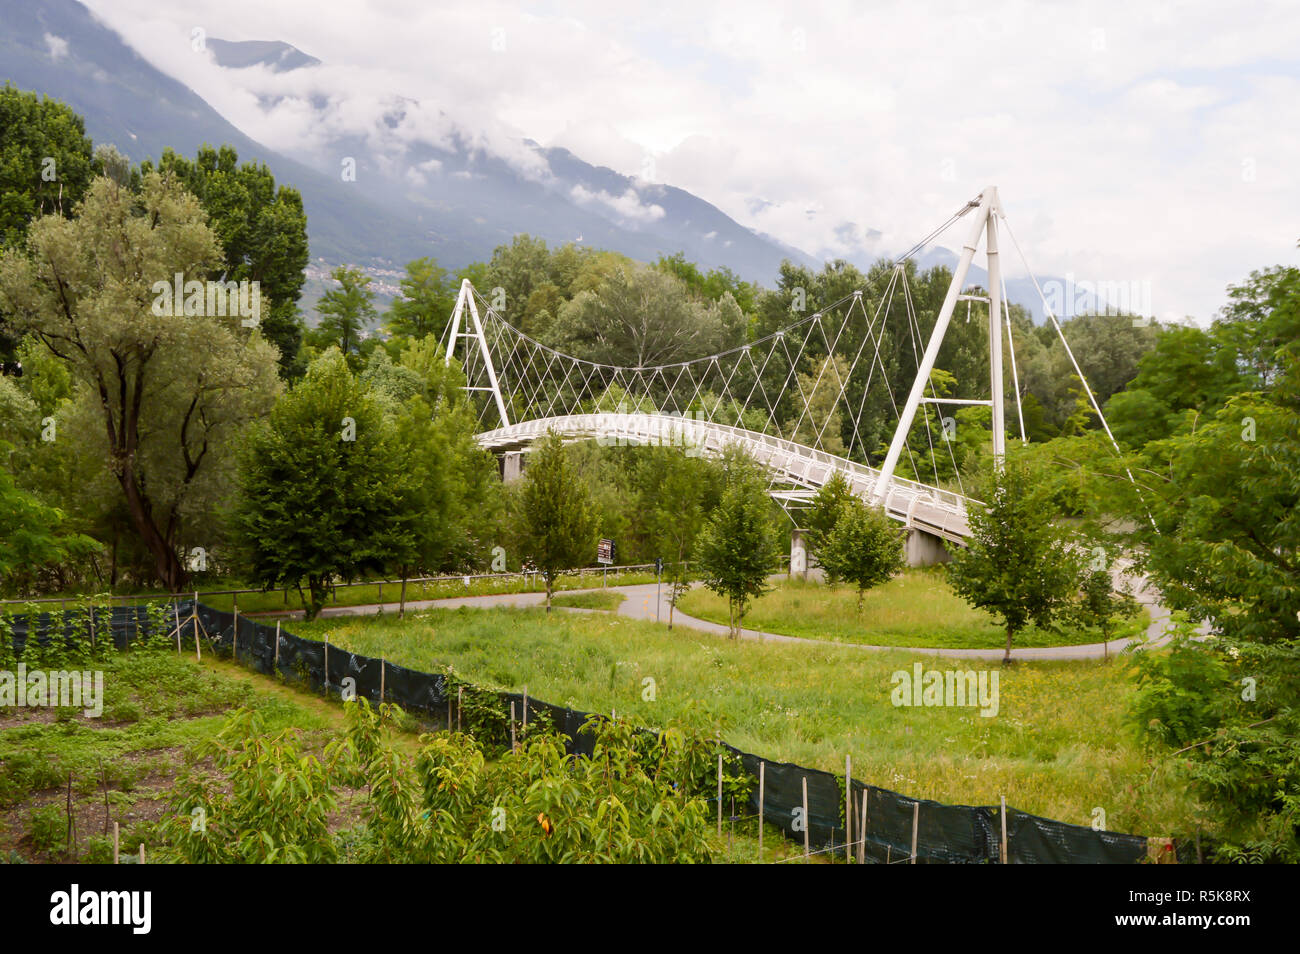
(1101, 606)
(737, 549)
(558, 529)
(1016, 563)
(864, 548)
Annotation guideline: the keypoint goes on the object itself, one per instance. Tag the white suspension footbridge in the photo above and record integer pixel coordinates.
(807, 401)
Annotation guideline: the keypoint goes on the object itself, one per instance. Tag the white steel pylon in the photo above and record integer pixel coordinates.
(988, 210)
(465, 300)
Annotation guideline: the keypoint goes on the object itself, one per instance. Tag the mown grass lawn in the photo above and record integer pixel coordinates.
(591, 599)
(916, 609)
(1058, 746)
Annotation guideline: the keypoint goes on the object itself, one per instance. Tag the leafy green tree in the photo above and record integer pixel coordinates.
(46, 162)
(346, 311)
(323, 486)
(711, 285)
(452, 491)
(557, 527)
(737, 549)
(1187, 373)
(46, 166)
(675, 495)
(818, 421)
(636, 317)
(32, 536)
(865, 549)
(827, 506)
(1016, 564)
(262, 229)
(1101, 607)
(428, 297)
(1214, 523)
(171, 393)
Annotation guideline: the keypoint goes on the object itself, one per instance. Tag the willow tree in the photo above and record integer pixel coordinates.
(170, 391)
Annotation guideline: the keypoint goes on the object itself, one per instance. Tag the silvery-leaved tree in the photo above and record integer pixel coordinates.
(171, 387)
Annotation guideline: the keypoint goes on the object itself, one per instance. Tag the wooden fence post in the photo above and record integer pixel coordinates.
(805, 819)
(512, 724)
(916, 821)
(275, 667)
(848, 808)
(719, 794)
(1003, 813)
(762, 766)
(862, 831)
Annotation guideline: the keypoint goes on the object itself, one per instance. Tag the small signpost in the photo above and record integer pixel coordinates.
(605, 556)
(659, 578)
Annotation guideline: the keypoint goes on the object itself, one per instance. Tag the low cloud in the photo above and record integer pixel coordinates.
(627, 206)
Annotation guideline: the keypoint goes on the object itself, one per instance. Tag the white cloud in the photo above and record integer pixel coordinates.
(1130, 141)
(57, 46)
(627, 206)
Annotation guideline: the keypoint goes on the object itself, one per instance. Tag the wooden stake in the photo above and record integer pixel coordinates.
(1004, 829)
(67, 848)
(862, 831)
(194, 616)
(916, 821)
(460, 700)
(276, 664)
(175, 610)
(719, 794)
(234, 635)
(142, 852)
(115, 842)
(762, 767)
(327, 665)
(805, 819)
(382, 667)
(525, 729)
(848, 808)
(512, 724)
(104, 775)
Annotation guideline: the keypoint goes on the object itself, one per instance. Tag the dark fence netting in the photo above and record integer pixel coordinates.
(945, 834)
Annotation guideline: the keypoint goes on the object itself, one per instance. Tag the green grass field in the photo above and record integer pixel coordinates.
(591, 599)
(1058, 745)
(917, 609)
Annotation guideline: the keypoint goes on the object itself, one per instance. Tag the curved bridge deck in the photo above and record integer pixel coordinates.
(799, 470)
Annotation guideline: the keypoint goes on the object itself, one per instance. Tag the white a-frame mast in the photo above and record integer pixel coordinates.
(987, 213)
(465, 300)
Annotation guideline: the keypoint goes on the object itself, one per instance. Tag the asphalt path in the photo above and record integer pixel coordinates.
(645, 601)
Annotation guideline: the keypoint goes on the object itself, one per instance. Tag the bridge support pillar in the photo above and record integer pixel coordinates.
(924, 549)
(512, 466)
(798, 555)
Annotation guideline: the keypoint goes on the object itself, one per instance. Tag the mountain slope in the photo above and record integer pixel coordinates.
(387, 216)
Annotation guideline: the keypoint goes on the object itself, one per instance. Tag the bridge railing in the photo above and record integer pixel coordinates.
(915, 503)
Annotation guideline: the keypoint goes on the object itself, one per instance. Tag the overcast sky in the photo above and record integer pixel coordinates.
(1131, 141)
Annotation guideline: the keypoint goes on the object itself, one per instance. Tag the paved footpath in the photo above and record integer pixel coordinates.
(639, 602)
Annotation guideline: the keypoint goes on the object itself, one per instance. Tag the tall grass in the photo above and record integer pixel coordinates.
(1058, 745)
(917, 608)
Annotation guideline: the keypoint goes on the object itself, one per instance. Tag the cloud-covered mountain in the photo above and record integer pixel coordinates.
(383, 186)
(385, 178)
